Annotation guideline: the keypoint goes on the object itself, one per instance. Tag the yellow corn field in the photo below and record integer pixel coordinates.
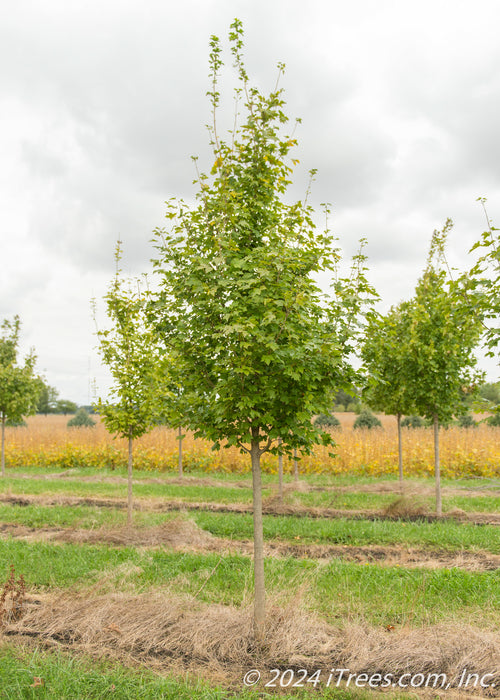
(47, 442)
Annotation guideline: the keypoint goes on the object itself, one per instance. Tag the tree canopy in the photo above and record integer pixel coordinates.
(443, 334)
(384, 351)
(128, 347)
(19, 387)
(260, 347)
(486, 276)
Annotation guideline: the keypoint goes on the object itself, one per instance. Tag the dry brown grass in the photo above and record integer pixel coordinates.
(406, 507)
(12, 597)
(163, 630)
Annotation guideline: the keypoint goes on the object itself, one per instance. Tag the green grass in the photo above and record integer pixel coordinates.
(68, 487)
(223, 491)
(67, 516)
(443, 534)
(342, 500)
(338, 590)
(71, 678)
(378, 501)
(471, 504)
(335, 588)
(68, 677)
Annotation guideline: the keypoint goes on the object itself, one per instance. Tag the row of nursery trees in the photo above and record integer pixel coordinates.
(240, 344)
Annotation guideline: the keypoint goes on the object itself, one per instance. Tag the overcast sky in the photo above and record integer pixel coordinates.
(102, 104)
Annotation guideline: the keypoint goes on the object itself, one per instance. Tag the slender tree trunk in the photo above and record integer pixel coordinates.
(180, 451)
(280, 473)
(437, 472)
(3, 445)
(400, 453)
(295, 465)
(258, 541)
(129, 475)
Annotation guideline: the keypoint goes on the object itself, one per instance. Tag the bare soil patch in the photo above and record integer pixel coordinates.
(184, 535)
(167, 632)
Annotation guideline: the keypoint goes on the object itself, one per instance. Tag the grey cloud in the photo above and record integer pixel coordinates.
(398, 105)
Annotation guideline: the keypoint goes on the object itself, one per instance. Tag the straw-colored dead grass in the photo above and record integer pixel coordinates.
(180, 533)
(163, 630)
(407, 507)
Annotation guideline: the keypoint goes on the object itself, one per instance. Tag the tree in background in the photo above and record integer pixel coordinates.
(259, 348)
(47, 401)
(174, 409)
(486, 277)
(346, 401)
(443, 332)
(128, 349)
(81, 419)
(19, 386)
(328, 421)
(367, 421)
(64, 406)
(385, 357)
(489, 395)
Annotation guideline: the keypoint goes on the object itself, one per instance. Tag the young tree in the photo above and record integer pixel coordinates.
(19, 387)
(385, 356)
(486, 277)
(443, 333)
(128, 349)
(259, 348)
(81, 419)
(173, 412)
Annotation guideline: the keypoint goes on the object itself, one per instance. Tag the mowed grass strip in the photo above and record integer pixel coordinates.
(347, 500)
(338, 590)
(445, 534)
(69, 487)
(66, 677)
(167, 486)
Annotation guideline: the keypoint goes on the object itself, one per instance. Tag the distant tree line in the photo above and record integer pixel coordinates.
(49, 401)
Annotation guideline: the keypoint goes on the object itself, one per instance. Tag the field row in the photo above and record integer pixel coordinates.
(48, 443)
(377, 495)
(145, 611)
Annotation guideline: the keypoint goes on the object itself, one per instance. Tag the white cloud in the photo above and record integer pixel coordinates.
(104, 103)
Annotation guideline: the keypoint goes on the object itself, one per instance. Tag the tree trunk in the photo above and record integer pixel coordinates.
(180, 451)
(400, 453)
(295, 465)
(3, 445)
(280, 473)
(129, 495)
(439, 509)
(258, 541)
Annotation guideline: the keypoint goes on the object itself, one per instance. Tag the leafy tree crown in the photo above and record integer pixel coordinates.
(259, 347)
(128, 348)
(19, 387)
